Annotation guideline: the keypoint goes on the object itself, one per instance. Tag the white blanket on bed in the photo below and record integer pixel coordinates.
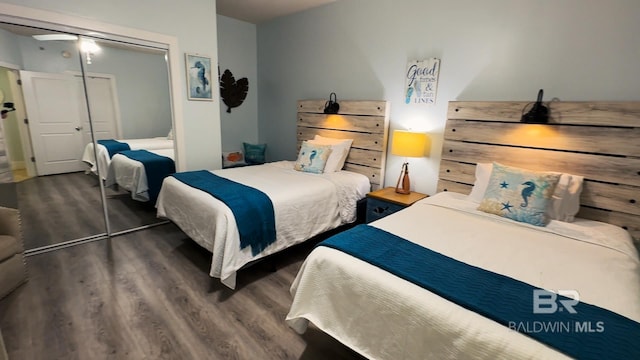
(130, 174)
(304, 205)
(104, 160)
(385, 317)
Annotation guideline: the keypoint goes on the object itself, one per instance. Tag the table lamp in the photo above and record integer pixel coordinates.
(407, 144)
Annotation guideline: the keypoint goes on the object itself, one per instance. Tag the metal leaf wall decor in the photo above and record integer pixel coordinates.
(233, 92)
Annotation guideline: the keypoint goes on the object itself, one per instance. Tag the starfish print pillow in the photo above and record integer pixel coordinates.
(519, 194)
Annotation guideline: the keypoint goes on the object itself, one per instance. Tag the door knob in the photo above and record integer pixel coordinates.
(78, 128)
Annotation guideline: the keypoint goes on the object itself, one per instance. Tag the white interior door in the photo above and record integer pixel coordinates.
(104, 108)
(54, 113)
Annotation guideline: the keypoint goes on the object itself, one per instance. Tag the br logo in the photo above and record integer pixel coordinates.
(546, 302)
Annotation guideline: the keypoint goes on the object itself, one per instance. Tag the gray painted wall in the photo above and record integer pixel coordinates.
(10, 48)
(193, 23)
(490, 50)
(237, 51)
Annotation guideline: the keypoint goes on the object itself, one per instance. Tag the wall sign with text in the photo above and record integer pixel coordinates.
(422, 81)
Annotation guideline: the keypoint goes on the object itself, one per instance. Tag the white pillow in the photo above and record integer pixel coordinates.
(566, 197)
(339, 151)
(483, 173)
(232, 159)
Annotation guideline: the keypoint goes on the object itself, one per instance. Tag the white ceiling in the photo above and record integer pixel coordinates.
(258, 11)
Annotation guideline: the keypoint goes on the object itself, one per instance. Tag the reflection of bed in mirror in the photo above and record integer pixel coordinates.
(302, 204)
(140, 174)
(104, 156)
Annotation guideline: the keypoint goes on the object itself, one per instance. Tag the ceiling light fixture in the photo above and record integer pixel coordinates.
(90, 48)
(50, 37)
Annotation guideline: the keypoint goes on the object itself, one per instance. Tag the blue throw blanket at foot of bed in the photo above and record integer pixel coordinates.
(114, 146)
(156, 167)
(589, 332)
(252, 209)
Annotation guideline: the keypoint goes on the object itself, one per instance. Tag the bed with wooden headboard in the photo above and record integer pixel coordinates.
(412, 284)
(299, 205)
(597, 140)
(364, 121)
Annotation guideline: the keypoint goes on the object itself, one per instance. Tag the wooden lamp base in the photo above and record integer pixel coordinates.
(403, 186)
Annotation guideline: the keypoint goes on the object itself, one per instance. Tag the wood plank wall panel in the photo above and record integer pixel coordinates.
(573, 113)
(366, 122)
(597, 140)
(370, 124)
(374, 174)
(366, 141)
(364, 157)
(596, 167)
(604, 140)
(446, 185)
(347, 107)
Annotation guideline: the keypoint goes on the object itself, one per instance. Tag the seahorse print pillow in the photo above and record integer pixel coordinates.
(312, 158)
(519, 194)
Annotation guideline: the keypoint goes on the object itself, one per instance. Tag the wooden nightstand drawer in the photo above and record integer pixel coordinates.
(377, 209)
(383, 202)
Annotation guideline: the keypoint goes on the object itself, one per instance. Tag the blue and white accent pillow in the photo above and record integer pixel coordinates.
(519, 194)
(312, 158)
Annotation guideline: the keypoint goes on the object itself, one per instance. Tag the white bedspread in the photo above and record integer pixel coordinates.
(130, 174)
(304, 205)
(384, 317)
(135, 144)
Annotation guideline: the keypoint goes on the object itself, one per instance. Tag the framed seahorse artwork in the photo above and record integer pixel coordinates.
(199, 81)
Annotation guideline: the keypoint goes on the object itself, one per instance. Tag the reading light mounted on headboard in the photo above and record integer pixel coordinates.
(539, 114)
(332, 106)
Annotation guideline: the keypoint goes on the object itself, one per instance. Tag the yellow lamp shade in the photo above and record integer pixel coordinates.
(408, 144)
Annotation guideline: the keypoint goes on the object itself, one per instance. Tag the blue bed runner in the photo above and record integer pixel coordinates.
(589, 333)
(157, 167)
(114, 146)
(251, 207)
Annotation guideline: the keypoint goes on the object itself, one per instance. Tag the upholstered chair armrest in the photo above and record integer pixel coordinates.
(10, 223)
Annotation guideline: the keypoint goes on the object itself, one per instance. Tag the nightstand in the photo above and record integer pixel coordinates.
(383, 202)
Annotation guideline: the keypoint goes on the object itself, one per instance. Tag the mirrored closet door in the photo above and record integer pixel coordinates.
(129, 100)
(74, 91)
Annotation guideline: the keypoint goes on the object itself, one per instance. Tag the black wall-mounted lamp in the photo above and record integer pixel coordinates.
(8, 107)
(332, 106)
(539, 113)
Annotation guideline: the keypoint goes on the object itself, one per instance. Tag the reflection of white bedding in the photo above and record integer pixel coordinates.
(385, 317)
(130, 174)
(304, 205)
(135, 144)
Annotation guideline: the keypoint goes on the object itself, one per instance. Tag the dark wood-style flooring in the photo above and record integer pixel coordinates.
(147, 295)
(63, 207)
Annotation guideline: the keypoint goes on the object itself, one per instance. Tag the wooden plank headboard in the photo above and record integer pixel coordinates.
(366, 122)
(597, 140)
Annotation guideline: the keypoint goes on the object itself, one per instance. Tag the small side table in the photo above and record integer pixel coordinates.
(383, 202)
